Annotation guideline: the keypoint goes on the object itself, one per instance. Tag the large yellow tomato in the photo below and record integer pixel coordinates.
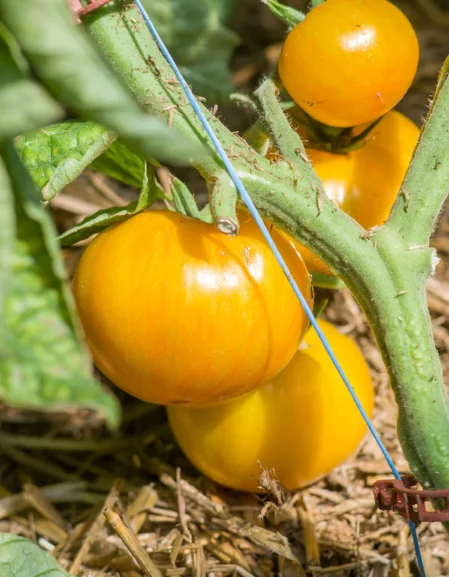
(303, 423)
(176, 312)
(349, 61)
(365, 182)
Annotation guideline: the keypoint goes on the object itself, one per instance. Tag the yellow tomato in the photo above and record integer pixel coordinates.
(302, 423)
(349, 61)
(175, 312)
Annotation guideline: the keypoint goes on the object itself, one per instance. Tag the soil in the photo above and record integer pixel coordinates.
(59, 472)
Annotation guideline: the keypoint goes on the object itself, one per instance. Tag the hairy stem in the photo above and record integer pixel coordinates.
(425, 187)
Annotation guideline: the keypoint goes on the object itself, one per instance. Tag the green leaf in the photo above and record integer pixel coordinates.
(103, 218)
(69, 65)
(325, 281)
(119, 162)
(20, 557)
(285, 14)
(198, 41)
(42, 361)
(183, 199)
(24, 105)
(56, 155)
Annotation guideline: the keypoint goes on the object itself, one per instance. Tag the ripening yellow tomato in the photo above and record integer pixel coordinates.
(349, 61)
(175, 312)
(365, 182)
(302, 423)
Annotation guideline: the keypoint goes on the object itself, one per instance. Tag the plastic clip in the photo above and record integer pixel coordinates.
(398, 495)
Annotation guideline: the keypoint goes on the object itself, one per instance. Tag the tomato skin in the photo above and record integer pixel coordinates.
(176, 312)
(303, 423)
(365, 182)
(349, 61)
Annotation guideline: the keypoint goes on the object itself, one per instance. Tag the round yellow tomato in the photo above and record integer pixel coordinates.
(176, 312)
(302, 423)
(349, 61)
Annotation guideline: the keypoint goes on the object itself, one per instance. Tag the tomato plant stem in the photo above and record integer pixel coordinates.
(385, 268)
(425, 186)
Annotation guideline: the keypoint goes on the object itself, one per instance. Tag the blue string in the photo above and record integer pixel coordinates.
(255, 214)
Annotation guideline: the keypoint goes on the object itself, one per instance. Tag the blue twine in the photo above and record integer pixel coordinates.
(255, 214)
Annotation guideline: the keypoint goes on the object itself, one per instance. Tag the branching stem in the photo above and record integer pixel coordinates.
(385, 268)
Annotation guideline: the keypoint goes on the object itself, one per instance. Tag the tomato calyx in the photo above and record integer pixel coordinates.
(329, 138)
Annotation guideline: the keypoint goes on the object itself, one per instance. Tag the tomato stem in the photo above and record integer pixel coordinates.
(425, 187)
(223, 200)
(387, 276)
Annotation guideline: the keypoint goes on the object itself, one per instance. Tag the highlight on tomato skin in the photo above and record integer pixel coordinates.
(349, 61)
(302, 423)
(176, 312)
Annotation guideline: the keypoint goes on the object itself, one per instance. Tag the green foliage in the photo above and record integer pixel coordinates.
(68, 64)
(36, 108)
(183, 200)
(20, 557)
(103, 218)
(119, 162)
(198, 40)
(224, 8)
(42, 363)
(56, 155)
(285, 14)
(181, 197)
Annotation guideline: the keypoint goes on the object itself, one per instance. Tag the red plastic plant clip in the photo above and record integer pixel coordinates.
(81, 11)
(398, 495)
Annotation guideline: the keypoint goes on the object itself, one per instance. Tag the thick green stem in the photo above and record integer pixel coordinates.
(386, 269)
(223, 200)
(425, 187)
(392, 294)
